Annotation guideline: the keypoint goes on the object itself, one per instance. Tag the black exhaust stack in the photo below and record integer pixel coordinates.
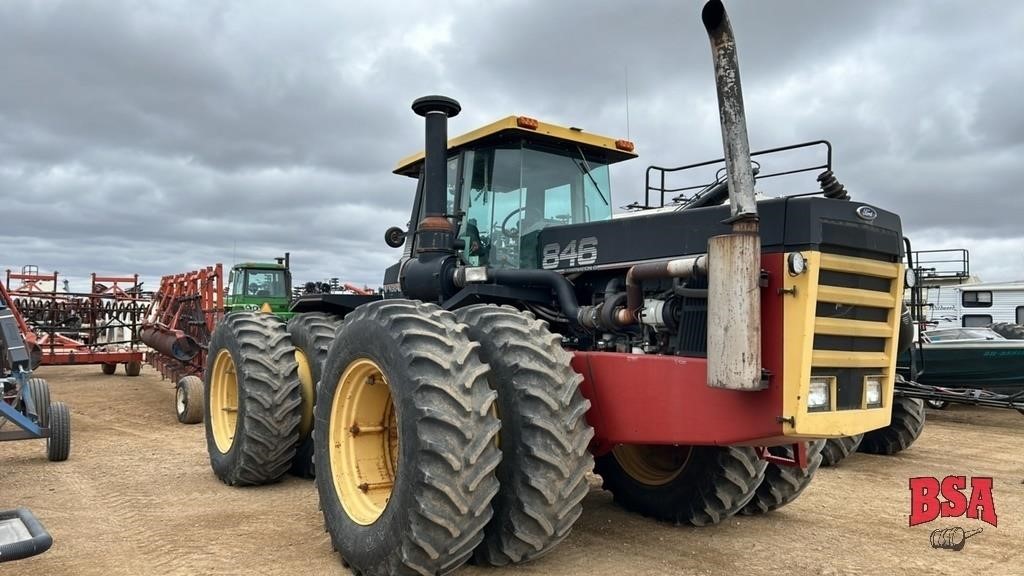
(734, 260)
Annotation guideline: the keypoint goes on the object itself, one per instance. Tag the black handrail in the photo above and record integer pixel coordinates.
(662, 171)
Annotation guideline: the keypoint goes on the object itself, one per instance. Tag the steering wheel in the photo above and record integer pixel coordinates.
(504, 223)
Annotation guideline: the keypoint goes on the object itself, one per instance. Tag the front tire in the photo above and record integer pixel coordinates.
(837, 449)
(404, 441)
(783, 484)
(544, 434)
(906, 425)
(252, 404)
(698, 485)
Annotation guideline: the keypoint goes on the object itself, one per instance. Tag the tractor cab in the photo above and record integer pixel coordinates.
(511, 179)
(259, 286)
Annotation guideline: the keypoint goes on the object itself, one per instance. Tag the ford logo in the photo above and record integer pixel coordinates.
(867, 213)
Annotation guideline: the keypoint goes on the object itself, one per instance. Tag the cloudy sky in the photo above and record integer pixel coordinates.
(157, 136)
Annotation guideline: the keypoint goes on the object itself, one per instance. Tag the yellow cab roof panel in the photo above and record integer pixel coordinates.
(615, 150)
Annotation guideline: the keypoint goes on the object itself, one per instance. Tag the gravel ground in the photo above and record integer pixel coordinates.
(137, 497)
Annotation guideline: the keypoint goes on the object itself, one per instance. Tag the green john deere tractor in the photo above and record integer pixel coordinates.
(260, 287)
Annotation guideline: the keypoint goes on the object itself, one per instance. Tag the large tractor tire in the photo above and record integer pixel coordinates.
(837, 449)
(698, 485)
(544, 434)
(58, 443)
(312, 334)
(252, 401)
(1008, 330)
(783, 484)
(189, 400)
(906, 425)
(405, 441)
(39, 390)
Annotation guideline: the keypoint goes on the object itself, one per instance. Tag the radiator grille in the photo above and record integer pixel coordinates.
(855, 316)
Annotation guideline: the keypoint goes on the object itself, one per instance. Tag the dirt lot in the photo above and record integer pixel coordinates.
(137, 497)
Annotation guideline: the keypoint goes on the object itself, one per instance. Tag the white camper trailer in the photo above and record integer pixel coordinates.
(953, 298)
(989, 303)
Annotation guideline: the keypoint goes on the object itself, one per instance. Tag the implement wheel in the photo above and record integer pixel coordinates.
(108, 369)
(544, 434)
(312, 334)
(133, 368)
(39, 390)
(837, 449)
(252, 401)
(188, 400)
(698, 485)
(405, 441)
(58, 443)
(782, 484)
(906, 425)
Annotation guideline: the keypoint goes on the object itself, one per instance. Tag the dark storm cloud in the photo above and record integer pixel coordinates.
(154, 137)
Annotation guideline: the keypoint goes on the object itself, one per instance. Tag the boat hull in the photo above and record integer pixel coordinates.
(994, 366)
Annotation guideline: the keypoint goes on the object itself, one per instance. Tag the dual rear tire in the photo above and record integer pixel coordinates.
(413, 473)
(252, 402)
(312, 334)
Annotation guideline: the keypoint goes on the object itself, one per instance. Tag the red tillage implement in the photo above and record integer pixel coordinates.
(64, 328)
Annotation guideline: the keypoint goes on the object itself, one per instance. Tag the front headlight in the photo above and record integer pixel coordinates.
(910, 277)
(818, 394)
(873, 391)
(797, 264)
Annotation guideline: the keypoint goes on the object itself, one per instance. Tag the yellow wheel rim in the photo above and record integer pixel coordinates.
(652, 465)
(223, 401)
(307, 388)
(364, 444)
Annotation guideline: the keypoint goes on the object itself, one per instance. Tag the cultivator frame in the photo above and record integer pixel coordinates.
(73, 328)
(181, 320)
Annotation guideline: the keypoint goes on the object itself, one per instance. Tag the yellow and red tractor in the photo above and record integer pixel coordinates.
(695, 352)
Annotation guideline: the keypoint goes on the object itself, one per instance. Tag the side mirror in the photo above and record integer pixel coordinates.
(394, 237)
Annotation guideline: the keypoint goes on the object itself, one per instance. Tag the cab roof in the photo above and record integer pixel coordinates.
(259, 265)
(610, 149)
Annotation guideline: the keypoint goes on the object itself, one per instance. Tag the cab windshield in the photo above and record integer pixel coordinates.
(265, 283)
(511, 192)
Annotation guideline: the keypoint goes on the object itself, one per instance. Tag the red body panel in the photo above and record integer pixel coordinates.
(651, 399)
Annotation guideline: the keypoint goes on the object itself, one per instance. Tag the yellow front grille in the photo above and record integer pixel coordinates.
(803, 295)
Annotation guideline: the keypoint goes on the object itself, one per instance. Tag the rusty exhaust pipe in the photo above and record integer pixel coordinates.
(679, 268)
(734, 260)
(173, 343)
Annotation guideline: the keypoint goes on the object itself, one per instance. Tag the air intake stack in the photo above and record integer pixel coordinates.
(428, 275)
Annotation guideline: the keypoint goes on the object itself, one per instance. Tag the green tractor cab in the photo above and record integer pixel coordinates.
(260, 287)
